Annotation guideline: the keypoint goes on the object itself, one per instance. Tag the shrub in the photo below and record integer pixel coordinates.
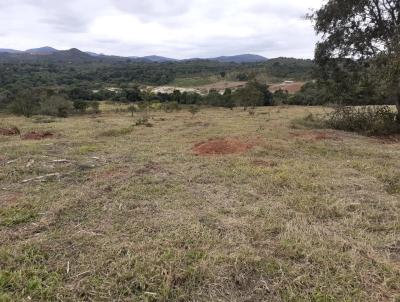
(94, 105)
(55, 105)
(43, 120)
(117, 132)
(370, 120)
(80, 105)
(280, 97)
(309, 95)
(132, 109)
(24, 104)
(194, 110)
(171, 106)
(144, 122)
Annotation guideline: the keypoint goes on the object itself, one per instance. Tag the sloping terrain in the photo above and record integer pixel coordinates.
(107, 211)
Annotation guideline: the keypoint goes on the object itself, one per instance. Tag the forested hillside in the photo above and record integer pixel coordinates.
(77, 68)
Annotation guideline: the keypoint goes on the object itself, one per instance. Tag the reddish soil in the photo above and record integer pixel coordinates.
(9, 199)
(388, 140)
(115, 173)
(37, 135)
(222, 147)
(151, 168)
(9, 131)
(289, 87)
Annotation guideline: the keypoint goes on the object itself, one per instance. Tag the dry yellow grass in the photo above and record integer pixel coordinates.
(306, 215)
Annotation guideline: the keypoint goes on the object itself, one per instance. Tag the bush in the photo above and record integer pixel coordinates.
(80, 105)
(194, 110)
(24, 104)
(117, 132)
(43, 120)
(280, 97)
(171, 106)
(144, 122)
(55, 105)
(369, 120)
(132, 109)
(94, 105)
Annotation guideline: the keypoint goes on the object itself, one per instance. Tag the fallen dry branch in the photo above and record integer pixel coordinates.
(61, 161)
(42, 178)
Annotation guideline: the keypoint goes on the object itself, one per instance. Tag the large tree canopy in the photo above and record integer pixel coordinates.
(363, 30)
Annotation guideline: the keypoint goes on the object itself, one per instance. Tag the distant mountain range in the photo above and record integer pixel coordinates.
(74, 54)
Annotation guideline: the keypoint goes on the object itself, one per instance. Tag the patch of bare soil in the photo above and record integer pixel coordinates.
(115, 173)
(388, 140)
(9, 131)
(9, 199)
(152, 168)
(316, 136)
(289, 87)
(222, 147)
(37, 135)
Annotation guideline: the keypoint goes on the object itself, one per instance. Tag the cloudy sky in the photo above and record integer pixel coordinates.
(173, 28)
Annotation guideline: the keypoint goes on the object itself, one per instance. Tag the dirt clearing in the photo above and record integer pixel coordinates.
(37, 135)
(9, 131)
(222, 147)
(289, 87)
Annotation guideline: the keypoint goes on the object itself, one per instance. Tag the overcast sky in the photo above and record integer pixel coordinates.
(173, 28)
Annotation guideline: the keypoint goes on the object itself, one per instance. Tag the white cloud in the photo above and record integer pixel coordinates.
(177, 28)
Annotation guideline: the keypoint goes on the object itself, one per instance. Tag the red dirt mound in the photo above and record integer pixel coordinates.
(37, 135)
(222, 146)
(9, 131)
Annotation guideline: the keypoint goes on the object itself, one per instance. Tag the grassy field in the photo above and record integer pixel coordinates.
(130, 213)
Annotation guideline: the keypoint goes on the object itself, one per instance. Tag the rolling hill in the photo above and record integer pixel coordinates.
(51, 53)
(246, 58)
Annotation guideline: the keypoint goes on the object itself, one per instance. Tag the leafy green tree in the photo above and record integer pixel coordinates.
(214, 98)
(5, 98)
(80, 105)
(132, 109)
(77, 93)
(254, 94)
(228, 101)
(176, 96)
(55, 105)
(281, 96)
(249, 96)
(134, 95)
(365, 31)
(24, 103)
(267, 98)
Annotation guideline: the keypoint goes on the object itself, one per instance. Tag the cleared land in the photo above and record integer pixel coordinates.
(219, 86)
(102, 210)
(289, 87)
